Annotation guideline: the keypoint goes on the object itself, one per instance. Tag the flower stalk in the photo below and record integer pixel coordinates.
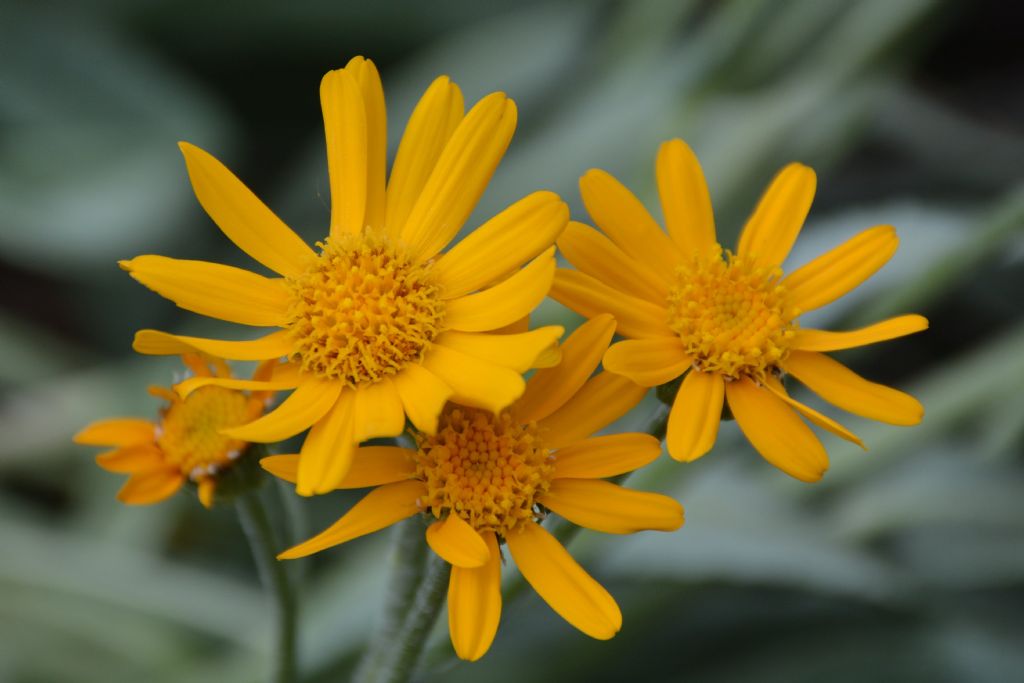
(408, 558)
(421, 611)
(274, 576)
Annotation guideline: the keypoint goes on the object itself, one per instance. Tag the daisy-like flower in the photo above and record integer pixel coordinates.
(377, 324)
(487, 479)
(185, 443)
(728, 321)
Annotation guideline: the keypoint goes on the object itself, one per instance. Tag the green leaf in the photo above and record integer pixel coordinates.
(118, 577)
(741, 531)
(89, 166)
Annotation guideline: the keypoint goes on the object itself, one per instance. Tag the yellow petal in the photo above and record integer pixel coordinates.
(378, 411)
(423, 396)
(198, 366)
(368, 79)
(563, 584)
(603, 399)
(460, 176)
(684, 198)
(151, 486)
(502, 244)
(120, 431)
(842, 387)
(622, 217)
(776, 432)
(549, 357)
(457, 542)
(606, 456)
(587, 296)
(696, 413)
(515, 327)
(371, 466)
(157, 343)
(841, 270)
(345, 130)
(380, 508)
(137, 458)
(603, 506)
(284, 376)
(772, 229)
(474, 604)
(648, 362)
(823, 421)
(284, 467)
(506, 301)
(326, 453)
(214, 290)
(597, 256)
(475, 382)
(825, 340)
(430, 127)
(306, 405)
(516, 351)
(206, 489)
(241, 216)
(377, 465)
(549, 389)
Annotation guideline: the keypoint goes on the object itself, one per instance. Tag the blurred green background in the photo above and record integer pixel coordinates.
(905, 563)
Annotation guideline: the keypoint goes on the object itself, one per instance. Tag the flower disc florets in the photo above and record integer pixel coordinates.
(487, 469)
(189, 431)
(362, 310)
(732, 316)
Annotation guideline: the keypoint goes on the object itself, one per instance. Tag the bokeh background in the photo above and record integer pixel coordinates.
(906, 563)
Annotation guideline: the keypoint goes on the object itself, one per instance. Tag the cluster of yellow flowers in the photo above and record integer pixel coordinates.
(380, 330)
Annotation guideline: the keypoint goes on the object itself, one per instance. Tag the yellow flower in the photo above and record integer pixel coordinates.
(489, 478)
(185, 443)
(379, 325)
(729, 324)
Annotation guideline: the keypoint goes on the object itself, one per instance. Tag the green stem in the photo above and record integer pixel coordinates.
(407, 645)
(258, 530)
(408, 560)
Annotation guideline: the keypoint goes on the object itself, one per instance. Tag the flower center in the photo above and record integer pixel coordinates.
(190, 430)
(487, 469)
(362, 310)
(732, 316)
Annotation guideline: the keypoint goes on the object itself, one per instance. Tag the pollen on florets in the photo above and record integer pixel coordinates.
(732, 316)
(189, 431)
(362, 310)
(488, 469)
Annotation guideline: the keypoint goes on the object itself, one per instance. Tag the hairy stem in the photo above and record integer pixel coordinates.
(262, 540)
(406, 646)
(408, 561)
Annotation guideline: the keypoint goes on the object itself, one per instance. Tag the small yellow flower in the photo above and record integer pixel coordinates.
(185, 443)
(378, 324)
(489, 478)
(729, 324)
